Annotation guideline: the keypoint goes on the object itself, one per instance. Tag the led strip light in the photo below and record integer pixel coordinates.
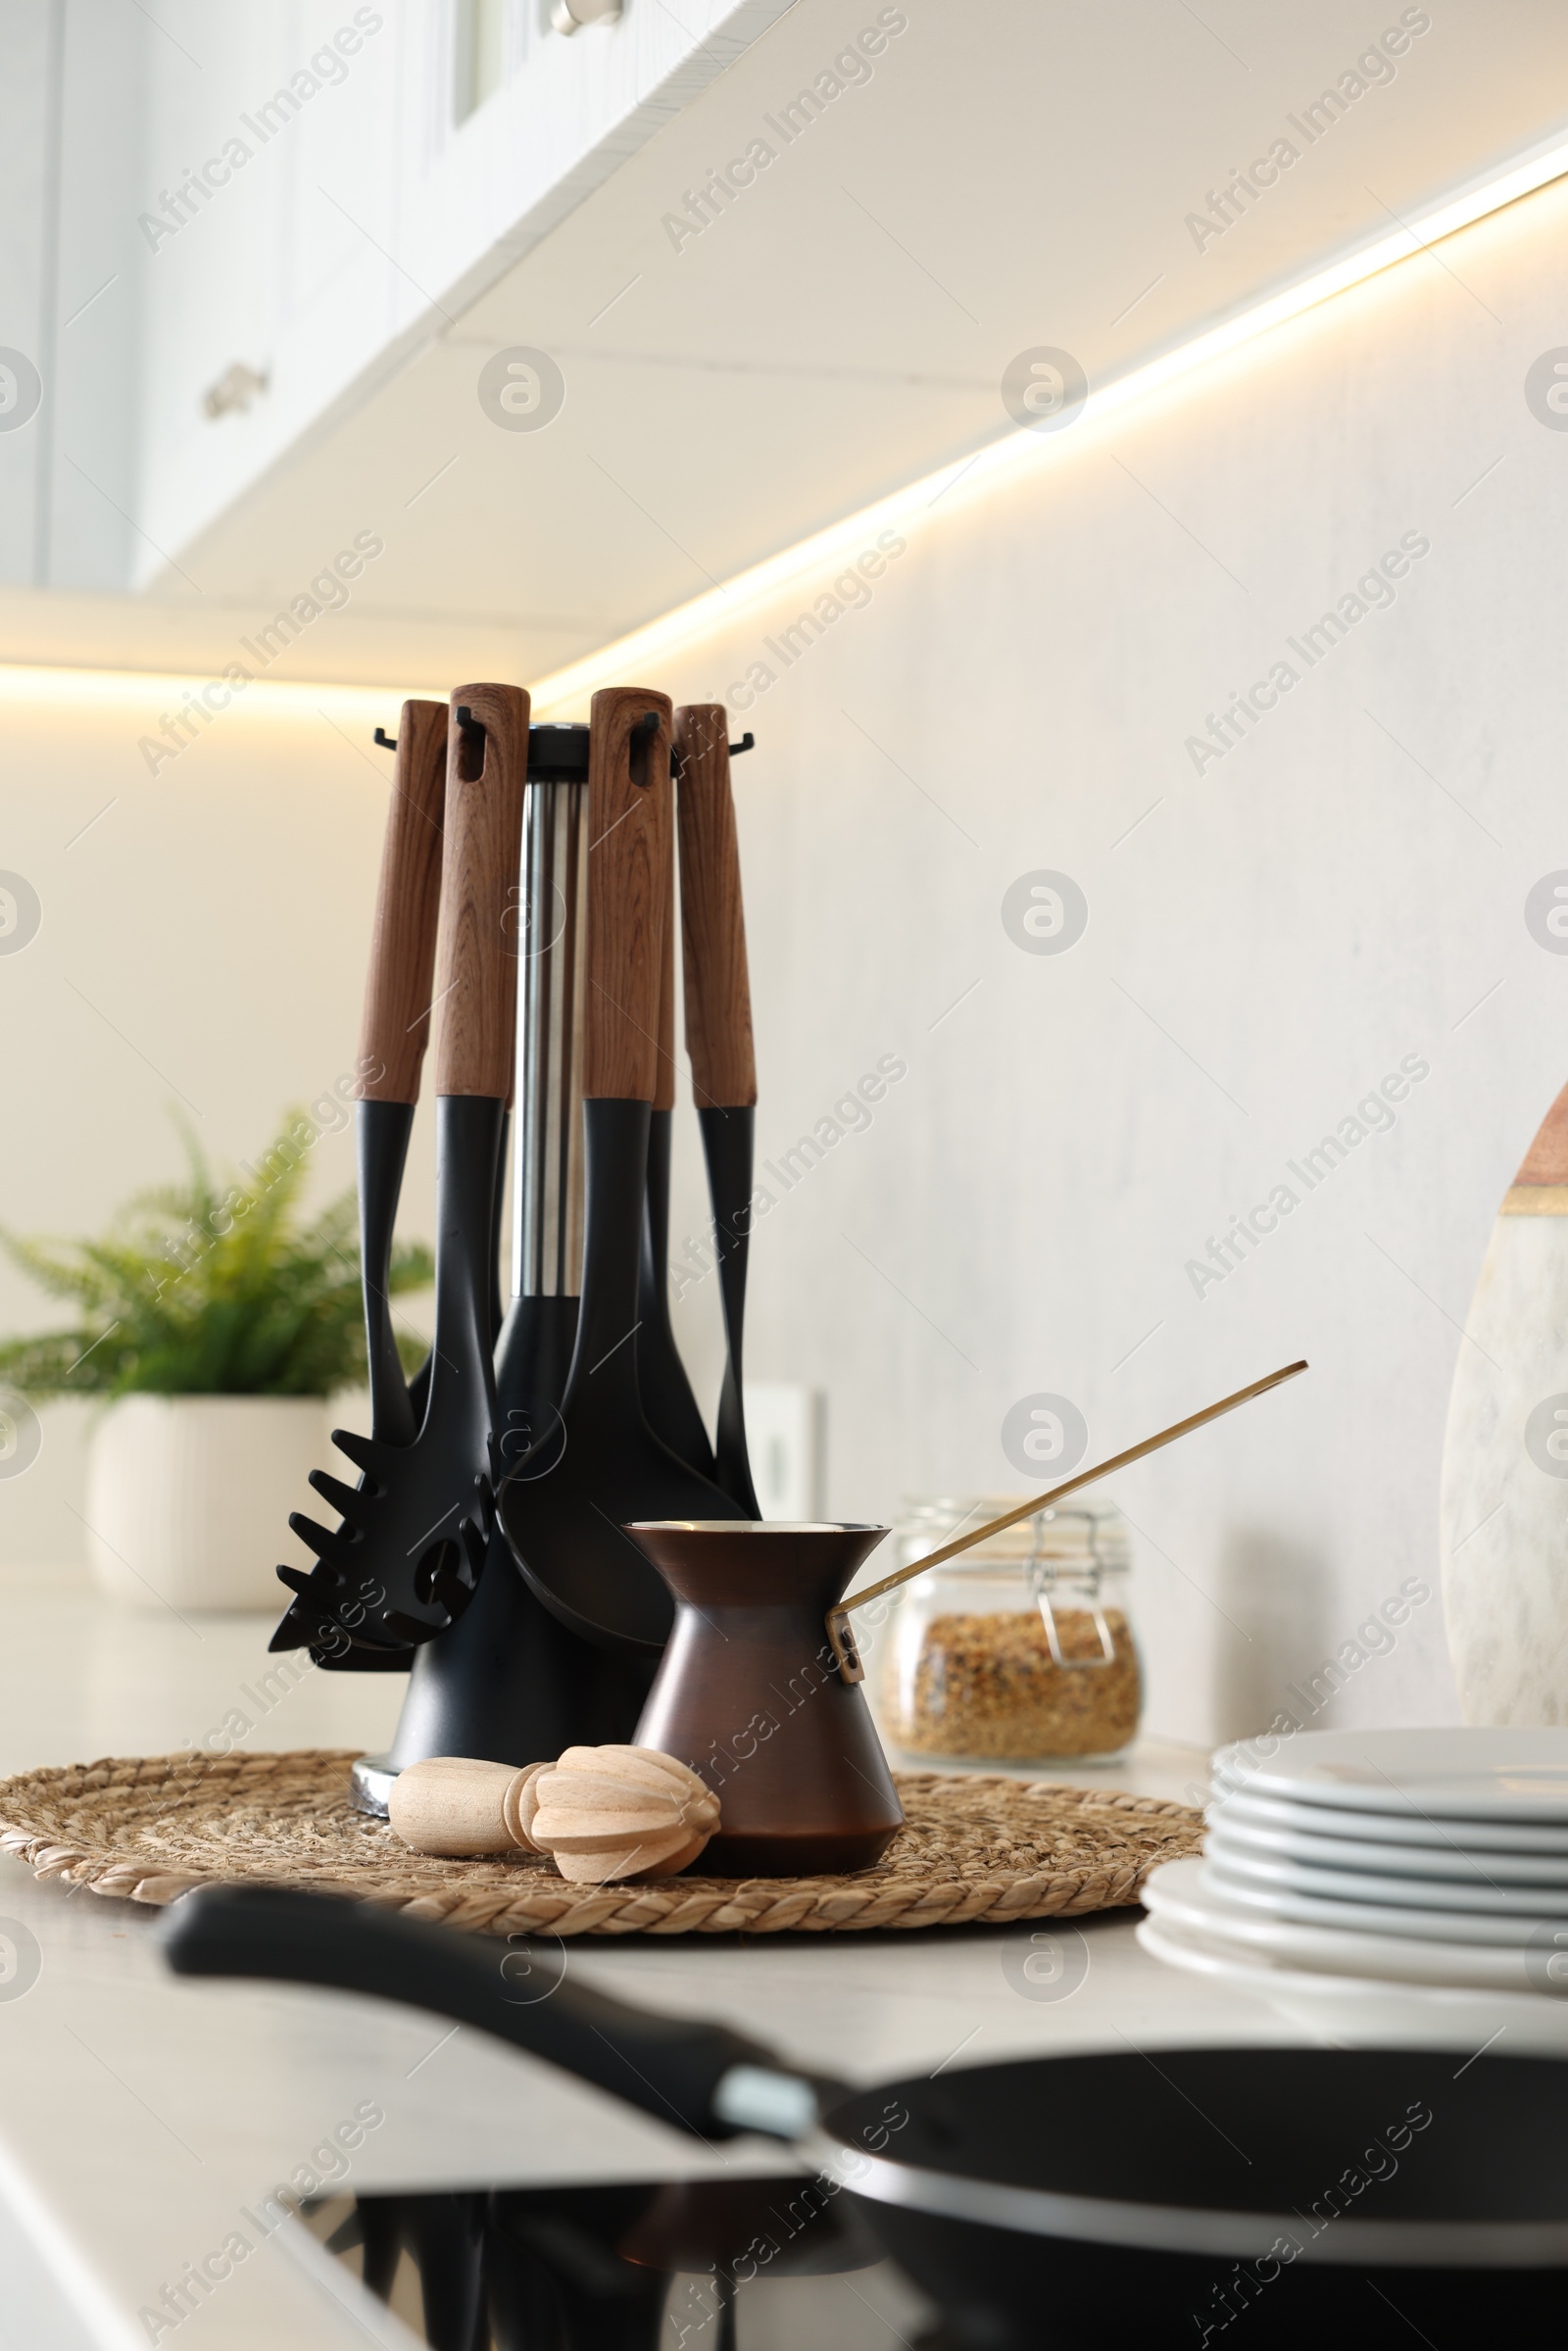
(280, 698)
(958, 481)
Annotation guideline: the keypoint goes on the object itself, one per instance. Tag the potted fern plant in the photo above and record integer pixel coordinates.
(214, 1321)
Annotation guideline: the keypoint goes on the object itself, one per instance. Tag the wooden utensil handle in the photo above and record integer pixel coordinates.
(719, 995)
(396, 1025)
(477, 959)
(629, 883)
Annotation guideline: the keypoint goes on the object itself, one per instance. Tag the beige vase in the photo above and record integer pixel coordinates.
(188, 1498)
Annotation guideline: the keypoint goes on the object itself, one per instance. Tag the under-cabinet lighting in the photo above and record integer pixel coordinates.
(960, 480)
(47, 683)
(955, 482)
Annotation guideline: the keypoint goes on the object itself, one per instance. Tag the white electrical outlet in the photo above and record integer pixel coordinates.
(784, 1436)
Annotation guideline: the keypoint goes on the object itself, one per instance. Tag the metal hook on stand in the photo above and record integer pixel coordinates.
(747, 742)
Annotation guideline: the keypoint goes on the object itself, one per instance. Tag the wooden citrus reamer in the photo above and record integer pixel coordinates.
(838, 1626)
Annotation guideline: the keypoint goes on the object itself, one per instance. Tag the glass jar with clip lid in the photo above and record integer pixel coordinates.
(1020, 1652)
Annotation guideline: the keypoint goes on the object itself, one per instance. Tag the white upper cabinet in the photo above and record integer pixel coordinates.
(324, 187)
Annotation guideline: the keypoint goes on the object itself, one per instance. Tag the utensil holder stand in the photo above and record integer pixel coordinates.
(510, 1684)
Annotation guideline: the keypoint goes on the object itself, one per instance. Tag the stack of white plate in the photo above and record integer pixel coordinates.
(1375, 1880)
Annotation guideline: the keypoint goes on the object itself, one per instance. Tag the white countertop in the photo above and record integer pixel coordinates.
(140, 2114)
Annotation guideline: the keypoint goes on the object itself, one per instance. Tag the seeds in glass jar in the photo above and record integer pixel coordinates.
(988, 1685)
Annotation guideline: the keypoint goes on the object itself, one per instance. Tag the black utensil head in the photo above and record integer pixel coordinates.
(565, 1524)
(563, 1504)
(405, 1561)
(412, 1534)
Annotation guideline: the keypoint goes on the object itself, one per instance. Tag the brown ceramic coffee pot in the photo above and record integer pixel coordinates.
(749, 1695)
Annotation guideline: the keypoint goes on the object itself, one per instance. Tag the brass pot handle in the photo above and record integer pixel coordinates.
(840, 1638)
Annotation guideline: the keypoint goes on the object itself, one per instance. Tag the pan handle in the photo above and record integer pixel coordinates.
(628, 888)
(476, 963)
(718, 997)
(396, 1026)
(703, 2078)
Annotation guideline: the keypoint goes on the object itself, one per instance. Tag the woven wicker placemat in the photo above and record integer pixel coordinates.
(972, 1848)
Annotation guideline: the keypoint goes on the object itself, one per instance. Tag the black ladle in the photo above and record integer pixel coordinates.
(1277, 2196)
(563, 1504)
(500, 1685)
(508, 1682)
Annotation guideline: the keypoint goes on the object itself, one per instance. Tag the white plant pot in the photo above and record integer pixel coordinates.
(188, 1496)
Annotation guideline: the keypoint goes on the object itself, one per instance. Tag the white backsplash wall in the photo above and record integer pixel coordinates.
(1336, 901)
(1266, 942)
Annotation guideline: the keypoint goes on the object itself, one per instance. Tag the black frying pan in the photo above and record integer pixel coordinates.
(1282, 2197)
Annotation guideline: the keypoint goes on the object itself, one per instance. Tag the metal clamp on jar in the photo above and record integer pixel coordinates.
(1023, 1653)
